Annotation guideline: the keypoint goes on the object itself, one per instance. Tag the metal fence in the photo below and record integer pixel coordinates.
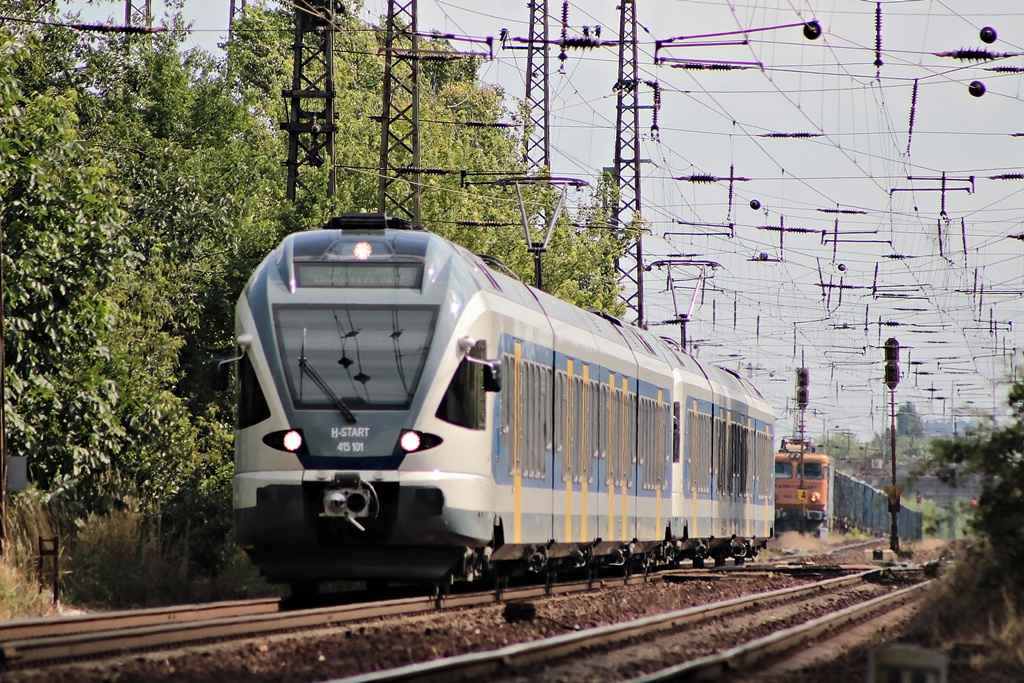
(857, 504)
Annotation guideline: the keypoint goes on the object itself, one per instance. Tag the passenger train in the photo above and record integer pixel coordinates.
(407, 413)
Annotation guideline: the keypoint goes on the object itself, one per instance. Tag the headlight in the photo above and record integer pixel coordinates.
(410, 441)
(413, 441)
(290, 440)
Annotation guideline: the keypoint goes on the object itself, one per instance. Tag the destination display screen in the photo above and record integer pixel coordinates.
(363, 275)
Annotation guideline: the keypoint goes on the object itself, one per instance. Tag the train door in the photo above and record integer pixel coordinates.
(700, 463)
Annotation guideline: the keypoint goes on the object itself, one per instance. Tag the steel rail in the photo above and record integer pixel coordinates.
(20, 629)
(127, 636)
(479, 664)
(746, 655)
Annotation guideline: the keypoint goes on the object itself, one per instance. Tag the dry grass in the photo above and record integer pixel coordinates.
(979, 626)
(118, 559)
(121, 559)
(20, 594)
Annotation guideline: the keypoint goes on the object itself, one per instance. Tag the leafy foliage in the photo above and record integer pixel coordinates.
(140, 186)
(994, 452)
(908, 421)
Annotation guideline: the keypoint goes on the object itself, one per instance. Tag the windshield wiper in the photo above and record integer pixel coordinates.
(305, 367)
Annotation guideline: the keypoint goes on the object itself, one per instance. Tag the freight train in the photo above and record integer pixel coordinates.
(406, 412)
(830, 499)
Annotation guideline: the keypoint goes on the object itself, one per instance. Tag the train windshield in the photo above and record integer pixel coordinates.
(370, 357)
(813, 470)
(783, 470)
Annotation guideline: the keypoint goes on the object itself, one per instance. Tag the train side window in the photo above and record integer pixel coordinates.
(252, 403)
(813, 470)
(508, 402)
(464, 401)
(561, 400)
(783, 470)
(677, 409)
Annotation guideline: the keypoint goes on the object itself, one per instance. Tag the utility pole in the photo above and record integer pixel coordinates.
(311, 122)
(627, 160)
(892, 379)
(138, 13)
(3, 406)
(237, 10)
(537, 147)
(400, 171)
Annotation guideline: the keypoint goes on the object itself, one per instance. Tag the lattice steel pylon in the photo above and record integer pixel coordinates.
(138, 13)
(310, 101)
(237, 11)
(627, 209)
(400, 172)
(537, 147)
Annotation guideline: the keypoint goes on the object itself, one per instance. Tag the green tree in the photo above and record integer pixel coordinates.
(908, 421)
(141, 184)
(61, 249)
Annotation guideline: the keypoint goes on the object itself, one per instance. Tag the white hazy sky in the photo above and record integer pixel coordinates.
(949, 287)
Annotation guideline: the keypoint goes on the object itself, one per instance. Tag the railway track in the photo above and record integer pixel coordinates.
(642, 650)
(35, 642)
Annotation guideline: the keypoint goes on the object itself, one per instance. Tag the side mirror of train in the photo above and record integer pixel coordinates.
(220, 374)
(492, 376)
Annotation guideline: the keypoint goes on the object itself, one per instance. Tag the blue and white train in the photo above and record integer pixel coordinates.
(407, 413)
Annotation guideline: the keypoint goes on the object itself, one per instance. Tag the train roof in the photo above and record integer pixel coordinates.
(396, 239)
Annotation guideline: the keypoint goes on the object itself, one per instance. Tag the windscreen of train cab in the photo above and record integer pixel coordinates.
(783, 469)
(813, 470)
(371, 357)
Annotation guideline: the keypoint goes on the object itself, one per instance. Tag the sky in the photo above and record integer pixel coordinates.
(853, 240)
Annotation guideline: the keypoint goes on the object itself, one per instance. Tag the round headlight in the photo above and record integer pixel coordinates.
(410, 441)
(292, 441)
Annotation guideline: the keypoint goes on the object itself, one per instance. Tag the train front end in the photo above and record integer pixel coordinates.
(802, 477)
(360, 449)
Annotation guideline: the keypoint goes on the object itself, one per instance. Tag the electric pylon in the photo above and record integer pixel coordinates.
(400, 171)
(627, 210)
(537, 148)
(310, 101)
(138, 13)
(237, 10)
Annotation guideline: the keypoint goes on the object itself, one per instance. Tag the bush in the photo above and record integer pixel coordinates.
(118, 560)
(993, 451)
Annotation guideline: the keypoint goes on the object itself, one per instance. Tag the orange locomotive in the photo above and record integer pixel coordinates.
(795, 511)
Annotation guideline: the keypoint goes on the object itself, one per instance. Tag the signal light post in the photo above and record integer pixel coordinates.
(803, 381)
(892, 379)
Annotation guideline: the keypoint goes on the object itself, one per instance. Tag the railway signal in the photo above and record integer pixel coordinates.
(892, 379)
(803, 394)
